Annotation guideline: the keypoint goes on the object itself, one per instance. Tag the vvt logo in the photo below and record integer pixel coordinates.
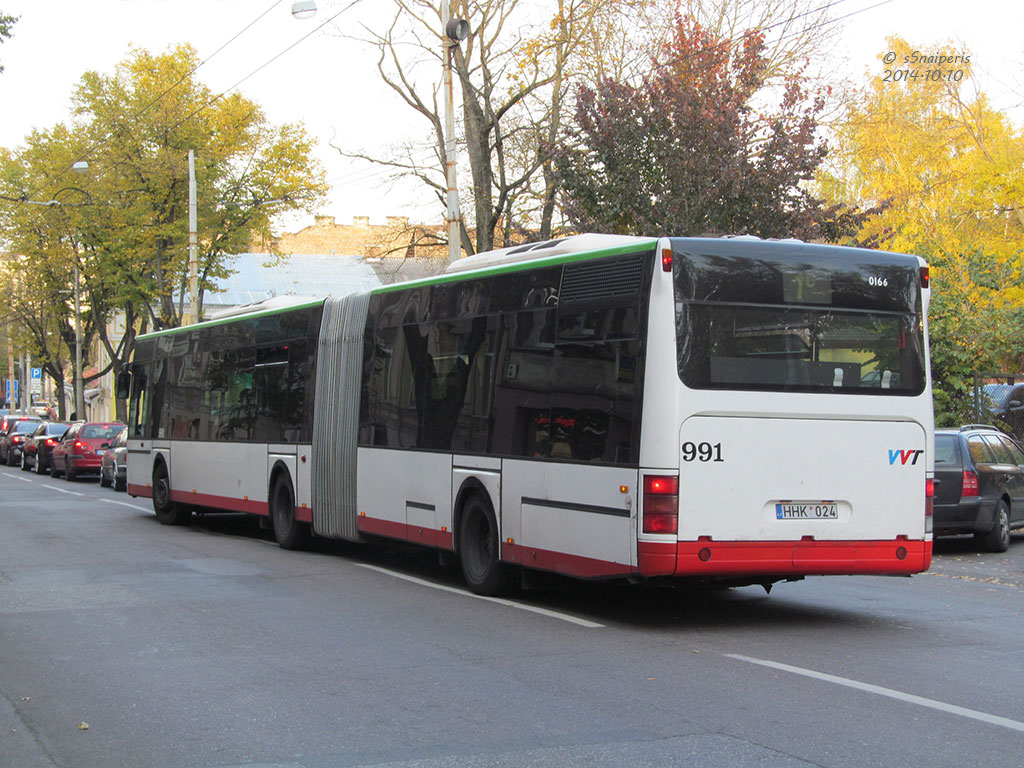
(908, 456)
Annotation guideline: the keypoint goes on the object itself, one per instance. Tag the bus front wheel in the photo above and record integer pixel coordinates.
(167, 512)
(482, 568)
(289, 532)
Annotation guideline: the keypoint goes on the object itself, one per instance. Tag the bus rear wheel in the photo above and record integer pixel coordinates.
(289, 532)
(167, 512)
(482, 568)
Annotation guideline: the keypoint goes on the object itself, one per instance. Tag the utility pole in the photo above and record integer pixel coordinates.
(193, 244)
(455, 31)
(79, 393)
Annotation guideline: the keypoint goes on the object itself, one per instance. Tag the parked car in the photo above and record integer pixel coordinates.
(43, 409)
(5, 423)
(81, 449)
(1006, 402)
(13, 438)
(36, 452)
(114, 464)
(980, 484)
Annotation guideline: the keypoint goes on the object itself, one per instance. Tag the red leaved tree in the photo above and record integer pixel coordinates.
(686, 152)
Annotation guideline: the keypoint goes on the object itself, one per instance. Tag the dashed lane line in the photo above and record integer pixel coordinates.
(878, 690)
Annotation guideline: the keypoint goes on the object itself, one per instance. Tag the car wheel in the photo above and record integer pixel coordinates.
(289, 532)
(104, 481)
(998, 539)
(54, 472)
(166, 511)
(69, 473)
(11, 461)
(120, 483)
(24, 463)
(40, 467)
(482, 568)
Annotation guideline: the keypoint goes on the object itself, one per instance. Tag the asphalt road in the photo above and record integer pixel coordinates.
(127, 643)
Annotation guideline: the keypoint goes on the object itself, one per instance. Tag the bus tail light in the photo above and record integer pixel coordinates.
(970, 484)
(666, 259)
(661, 504)
(924, 277)
(929, 496)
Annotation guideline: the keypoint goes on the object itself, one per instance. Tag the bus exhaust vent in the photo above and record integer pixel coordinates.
(592, 280)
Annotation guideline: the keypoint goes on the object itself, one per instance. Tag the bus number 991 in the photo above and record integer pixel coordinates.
(702, 452)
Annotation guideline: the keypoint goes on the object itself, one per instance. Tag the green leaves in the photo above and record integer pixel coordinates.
(136, 127)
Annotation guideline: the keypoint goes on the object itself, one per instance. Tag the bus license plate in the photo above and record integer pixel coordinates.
(807, 510)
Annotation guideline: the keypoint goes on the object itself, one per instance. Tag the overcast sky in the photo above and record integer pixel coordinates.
(331, 84)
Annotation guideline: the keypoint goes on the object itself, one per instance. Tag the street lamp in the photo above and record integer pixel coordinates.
(304, 9)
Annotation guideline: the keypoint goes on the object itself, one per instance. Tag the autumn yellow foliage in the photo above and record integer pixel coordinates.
(951, 168)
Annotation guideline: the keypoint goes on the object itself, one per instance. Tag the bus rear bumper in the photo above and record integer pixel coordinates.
(783, 558)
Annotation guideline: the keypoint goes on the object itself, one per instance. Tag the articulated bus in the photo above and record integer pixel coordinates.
(721, 409)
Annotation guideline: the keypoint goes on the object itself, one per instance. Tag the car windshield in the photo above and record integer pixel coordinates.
(995, 393)
(101, 431)
(56, 430)
(24, 427)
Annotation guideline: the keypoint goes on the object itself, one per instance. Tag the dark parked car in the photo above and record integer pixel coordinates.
(114, 464)
(980, 490)
(81, 449)
(36, 453)
(1007, 404)
(11, 440)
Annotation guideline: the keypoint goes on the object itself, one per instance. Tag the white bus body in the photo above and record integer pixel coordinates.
(731, 409)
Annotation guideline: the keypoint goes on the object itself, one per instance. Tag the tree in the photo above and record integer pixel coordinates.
(130, 242)
(6, 22)
(512, 72)
(685, 152)
(953, 169)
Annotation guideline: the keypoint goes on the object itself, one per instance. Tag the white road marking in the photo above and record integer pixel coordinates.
(130, 506)
(498, 600)
(891, 693)
(62, 490)
(15, 477)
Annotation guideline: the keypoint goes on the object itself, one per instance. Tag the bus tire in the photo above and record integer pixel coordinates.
(289, 532)
(166, 511)
(482, 568)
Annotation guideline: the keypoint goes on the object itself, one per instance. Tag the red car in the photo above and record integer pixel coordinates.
(81, 449)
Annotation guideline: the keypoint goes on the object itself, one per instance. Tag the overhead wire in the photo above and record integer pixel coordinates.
(383, 172)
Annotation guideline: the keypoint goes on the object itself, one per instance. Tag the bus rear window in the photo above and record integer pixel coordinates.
(797, 317)
(724, 346)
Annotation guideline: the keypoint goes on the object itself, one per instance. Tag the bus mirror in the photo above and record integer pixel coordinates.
(124, 385)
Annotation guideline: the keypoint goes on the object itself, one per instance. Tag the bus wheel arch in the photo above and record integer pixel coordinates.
(289, 532)
(477, 543)
(166, 511)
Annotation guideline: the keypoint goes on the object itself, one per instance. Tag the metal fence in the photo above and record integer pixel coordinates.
(999, 400)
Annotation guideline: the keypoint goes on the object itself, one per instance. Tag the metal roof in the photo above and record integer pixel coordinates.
(259, 276)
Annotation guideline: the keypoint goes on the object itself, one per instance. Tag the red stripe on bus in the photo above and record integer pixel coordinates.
(783, 558)
(415, 533)
(143, 491)
(252, 506)
(564, 563)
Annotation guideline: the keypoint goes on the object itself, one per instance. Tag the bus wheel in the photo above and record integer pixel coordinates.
(167, 512)
(485, 574)
(289, 532)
